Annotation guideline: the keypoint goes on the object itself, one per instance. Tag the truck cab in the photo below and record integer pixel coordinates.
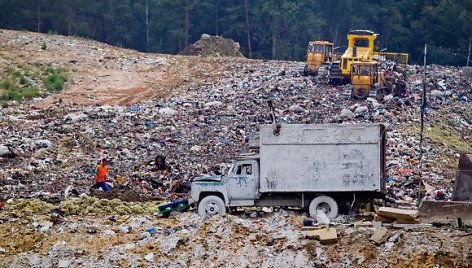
(238, 187)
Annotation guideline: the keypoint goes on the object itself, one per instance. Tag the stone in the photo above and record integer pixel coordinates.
(214, 104)
(295, 108)
(167, 111)
(168, 244)
(63, 263)
(396, 213)
(347, 114)
(436, 93)
(379, 236)
(34, 260)
(124, 229)
(74, 117)
(39, 144)
(361, 109)
(326, 235)
(129, 246)
(144, 235)
(109, 232)
(149, 257)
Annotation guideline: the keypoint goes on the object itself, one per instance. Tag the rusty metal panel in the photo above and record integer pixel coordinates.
(463, 181)
(317, 158)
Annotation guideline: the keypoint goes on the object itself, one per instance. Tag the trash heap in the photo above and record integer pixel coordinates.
(201, 130)
(213, 46)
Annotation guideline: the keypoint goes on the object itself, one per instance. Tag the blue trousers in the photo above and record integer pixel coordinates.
(102, 185)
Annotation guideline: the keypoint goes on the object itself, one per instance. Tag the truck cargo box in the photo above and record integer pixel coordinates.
(322, 158)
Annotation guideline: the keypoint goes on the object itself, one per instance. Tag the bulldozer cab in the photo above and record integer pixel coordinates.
(364, 69)
(318, 53)
(364, 73)
(324, 48)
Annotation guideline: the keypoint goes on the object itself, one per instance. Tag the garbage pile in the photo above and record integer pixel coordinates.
(201, 130)
(213, 46)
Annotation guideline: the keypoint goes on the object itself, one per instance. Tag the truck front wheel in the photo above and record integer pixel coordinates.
(211, 205)
(325, 203)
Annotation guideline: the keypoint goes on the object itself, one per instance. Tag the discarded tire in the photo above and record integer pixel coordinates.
(211, 205)
(325, 203)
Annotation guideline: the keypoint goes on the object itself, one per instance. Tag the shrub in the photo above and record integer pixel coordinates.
(55, 82)
(8, 85)
(11, 95)
(24, 81)
(29, 92)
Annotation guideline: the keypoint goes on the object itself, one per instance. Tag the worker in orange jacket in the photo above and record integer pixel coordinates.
(101, 175)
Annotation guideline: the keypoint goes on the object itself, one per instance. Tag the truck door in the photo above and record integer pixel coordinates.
(243, 181)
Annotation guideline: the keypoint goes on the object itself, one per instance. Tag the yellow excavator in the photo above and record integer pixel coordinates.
(318, 55)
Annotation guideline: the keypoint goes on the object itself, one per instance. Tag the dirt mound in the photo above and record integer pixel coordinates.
(213, 46)
(127, 195)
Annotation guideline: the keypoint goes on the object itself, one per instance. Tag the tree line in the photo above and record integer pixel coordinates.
(268, 29)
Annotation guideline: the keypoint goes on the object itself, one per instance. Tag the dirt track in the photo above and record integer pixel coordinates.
(103, 74)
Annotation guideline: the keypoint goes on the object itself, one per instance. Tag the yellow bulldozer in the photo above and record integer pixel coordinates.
(359, 66)
(367, 80)
(360, 47)
(318, 55)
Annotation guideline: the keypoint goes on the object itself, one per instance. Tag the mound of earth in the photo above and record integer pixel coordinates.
(213, 46)
(126, 194)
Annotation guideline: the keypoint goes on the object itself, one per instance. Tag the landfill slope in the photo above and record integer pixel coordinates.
(103, 74)
(199, 113)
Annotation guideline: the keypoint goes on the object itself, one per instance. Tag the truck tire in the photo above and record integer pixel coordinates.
(211, 205)
(325, 203)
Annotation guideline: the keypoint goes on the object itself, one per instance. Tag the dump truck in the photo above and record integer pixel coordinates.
(320, 167)
(319, 54)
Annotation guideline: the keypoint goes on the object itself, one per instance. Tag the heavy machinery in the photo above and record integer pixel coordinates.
(318, 55)
(367, 80)
(360, 48)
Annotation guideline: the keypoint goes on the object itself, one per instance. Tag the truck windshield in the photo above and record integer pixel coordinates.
(315, 48)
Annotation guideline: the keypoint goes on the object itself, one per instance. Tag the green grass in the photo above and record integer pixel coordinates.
(18, 95)
(17, 83)
(8, 85)
(55, 82)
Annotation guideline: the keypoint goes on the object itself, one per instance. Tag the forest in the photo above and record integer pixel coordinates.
(265, 29)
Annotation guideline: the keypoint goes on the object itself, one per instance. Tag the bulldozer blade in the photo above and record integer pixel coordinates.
(446, 212)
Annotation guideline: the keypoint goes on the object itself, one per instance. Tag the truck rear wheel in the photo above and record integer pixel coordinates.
(325, 203)
(211, 205)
